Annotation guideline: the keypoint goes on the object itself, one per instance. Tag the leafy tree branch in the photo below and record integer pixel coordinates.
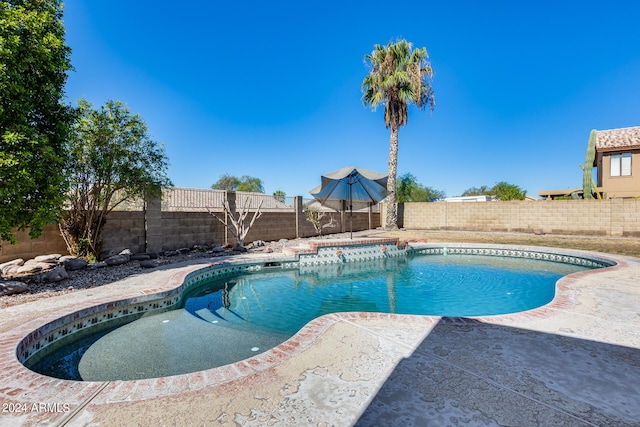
(112, 159)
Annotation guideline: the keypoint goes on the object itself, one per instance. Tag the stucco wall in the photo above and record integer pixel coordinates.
(619, 186)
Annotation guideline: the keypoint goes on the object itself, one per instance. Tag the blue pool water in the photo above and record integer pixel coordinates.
(230, 319)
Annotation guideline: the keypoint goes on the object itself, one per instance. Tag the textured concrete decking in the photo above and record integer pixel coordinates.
(575, 361)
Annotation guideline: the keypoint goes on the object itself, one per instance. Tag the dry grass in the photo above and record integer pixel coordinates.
(621, 246)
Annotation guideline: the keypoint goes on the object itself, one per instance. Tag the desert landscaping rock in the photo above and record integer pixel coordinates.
(148, 264)
(151, 255)
(47, 265)
(117, 259)
(29, 268)
(106, 254)
(14, 262)
(11, 267)
(12, 287)
(10, 270)
(52, 258)
(96, 265)
(55, 275)
(73, 264)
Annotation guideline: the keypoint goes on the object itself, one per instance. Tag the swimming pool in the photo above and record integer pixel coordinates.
(223, 320)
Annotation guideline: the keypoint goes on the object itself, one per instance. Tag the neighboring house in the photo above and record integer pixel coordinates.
(618, 162)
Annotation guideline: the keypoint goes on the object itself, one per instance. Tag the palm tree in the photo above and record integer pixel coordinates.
(398, 77)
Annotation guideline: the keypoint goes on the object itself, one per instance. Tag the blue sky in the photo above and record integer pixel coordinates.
(272, 89)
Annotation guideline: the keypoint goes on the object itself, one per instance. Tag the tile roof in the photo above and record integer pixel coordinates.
(618, 138)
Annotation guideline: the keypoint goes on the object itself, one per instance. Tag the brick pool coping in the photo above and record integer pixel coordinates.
(30, 390)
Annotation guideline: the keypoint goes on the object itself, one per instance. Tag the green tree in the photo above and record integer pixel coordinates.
(477, 191)
(280, 196)
(232, 183)
(226, 182)
(399, 76)
(112, 160)
(408, 189)
(251, 184)
(505, 191)
(34, 123)
(501, 191)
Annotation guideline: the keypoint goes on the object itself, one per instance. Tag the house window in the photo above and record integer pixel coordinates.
(621, 164)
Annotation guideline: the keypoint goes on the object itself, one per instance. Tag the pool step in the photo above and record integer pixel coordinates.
(220, 315)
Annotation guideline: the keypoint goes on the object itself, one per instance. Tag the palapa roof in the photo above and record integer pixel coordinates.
(618, 139)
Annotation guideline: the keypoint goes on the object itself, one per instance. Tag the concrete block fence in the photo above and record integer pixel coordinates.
(160, 226)
(610, 217)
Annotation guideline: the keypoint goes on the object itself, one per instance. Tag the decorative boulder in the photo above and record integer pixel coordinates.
(73, 264)
(148, 264)
(46, 265)
(152, 255)
(117, 259)
(10, 270)
(55, 275)
(96, 265)
(106, 254)
(12, 287)
(11, 267)
(29, 267)
(140, 257)
(52, 258)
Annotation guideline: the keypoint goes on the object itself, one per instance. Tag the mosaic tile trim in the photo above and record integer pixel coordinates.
(350, 253)
(48, 334)
(591, 262)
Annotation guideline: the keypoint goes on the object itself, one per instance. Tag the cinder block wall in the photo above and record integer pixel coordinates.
(186, 229)
(50, 242)
(611, 217)
(126, 229)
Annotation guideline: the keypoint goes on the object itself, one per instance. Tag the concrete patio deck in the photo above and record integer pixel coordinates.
(573, 362)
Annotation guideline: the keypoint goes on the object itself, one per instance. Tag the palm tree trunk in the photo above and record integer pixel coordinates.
(392, 212)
